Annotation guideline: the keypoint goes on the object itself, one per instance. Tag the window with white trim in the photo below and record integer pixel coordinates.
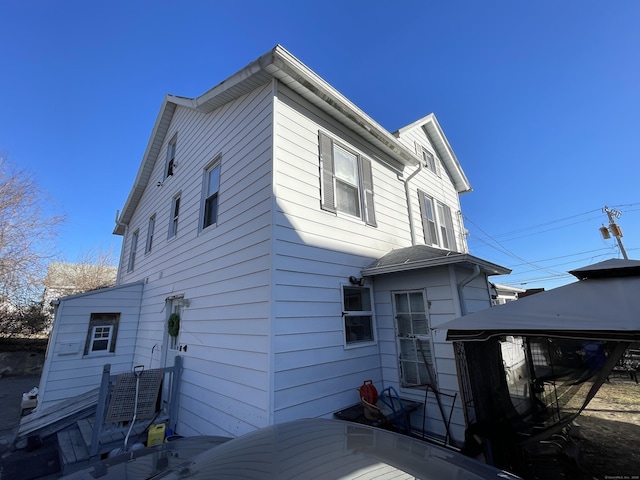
(150, 233)
(175, 214)
(211, 189)
(133, 250)
(437, 222)
(346, 181)
(171, 156)
(430, 160)
(357, 314)
(102, 333)
(414, 338)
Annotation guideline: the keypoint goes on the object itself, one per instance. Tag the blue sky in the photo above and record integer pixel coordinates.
(539, 101)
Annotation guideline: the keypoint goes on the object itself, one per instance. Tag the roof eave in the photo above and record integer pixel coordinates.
(158, 133)
(280, 64)
(487, 267)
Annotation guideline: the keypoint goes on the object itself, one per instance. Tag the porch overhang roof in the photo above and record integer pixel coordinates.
(422, 256)
(278, 64)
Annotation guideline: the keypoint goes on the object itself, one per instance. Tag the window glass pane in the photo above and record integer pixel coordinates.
(404, 324)
(176, 208)
(419, 324)
(347, 199)
(357, 299)
(402, 303)
(346, 165)
(358, 328)
(214, 180)
(99, 345)
(417, 302)
(211, 210)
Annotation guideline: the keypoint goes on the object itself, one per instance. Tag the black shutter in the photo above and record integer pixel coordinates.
(327, 195)
(425, 220)
(367, 184)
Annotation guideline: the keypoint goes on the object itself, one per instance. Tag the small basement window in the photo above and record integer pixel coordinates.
(102, 333)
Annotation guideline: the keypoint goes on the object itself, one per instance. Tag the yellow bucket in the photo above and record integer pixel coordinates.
(156, 435)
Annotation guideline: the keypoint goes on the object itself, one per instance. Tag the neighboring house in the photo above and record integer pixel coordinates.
(304, 249)
(65, 279)
(505, 293)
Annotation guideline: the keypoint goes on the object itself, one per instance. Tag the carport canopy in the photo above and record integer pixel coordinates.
(604, 304)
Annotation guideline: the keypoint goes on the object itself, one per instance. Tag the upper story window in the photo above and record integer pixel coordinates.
(171, 156)
(175, 213)
(437, 222)
(430, 160)
(150, 233)
(357, 314)
(347, 181)
(211, 188)
(132, 252)
(101, 336)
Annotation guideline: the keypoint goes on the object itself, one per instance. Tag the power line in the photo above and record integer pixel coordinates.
(506, 251)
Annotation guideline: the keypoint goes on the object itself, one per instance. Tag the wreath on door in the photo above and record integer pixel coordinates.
(174, 324)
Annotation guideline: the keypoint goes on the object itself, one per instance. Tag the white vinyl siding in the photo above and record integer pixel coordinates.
(264, 328)
(441, 306)
(315, 254)
(223, 271)
(69, 368)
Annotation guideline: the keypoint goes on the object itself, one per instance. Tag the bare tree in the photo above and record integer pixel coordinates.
(92, 270)
(27, 237)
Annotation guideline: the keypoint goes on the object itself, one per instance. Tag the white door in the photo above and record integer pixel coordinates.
(170, 348)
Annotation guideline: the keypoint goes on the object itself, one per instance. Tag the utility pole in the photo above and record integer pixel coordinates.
(613, 229)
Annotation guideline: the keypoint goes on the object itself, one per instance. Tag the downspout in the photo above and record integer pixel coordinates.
(462, 284)
(408, 197)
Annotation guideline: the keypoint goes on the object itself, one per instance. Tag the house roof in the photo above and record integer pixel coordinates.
(604, 306)
(423, 256)
(433, 130)
(279, 64)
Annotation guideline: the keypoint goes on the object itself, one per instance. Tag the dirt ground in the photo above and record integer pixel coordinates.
(610, 432)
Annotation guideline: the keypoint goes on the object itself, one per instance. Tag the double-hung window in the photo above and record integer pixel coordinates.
(437, 222)
(347, 181)
(430, 160)
(175, 213)
(414, 339)
(150, 232)
(102, 333)
(357, 314)
(132, 251)
(211, 189)
(171, 156)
